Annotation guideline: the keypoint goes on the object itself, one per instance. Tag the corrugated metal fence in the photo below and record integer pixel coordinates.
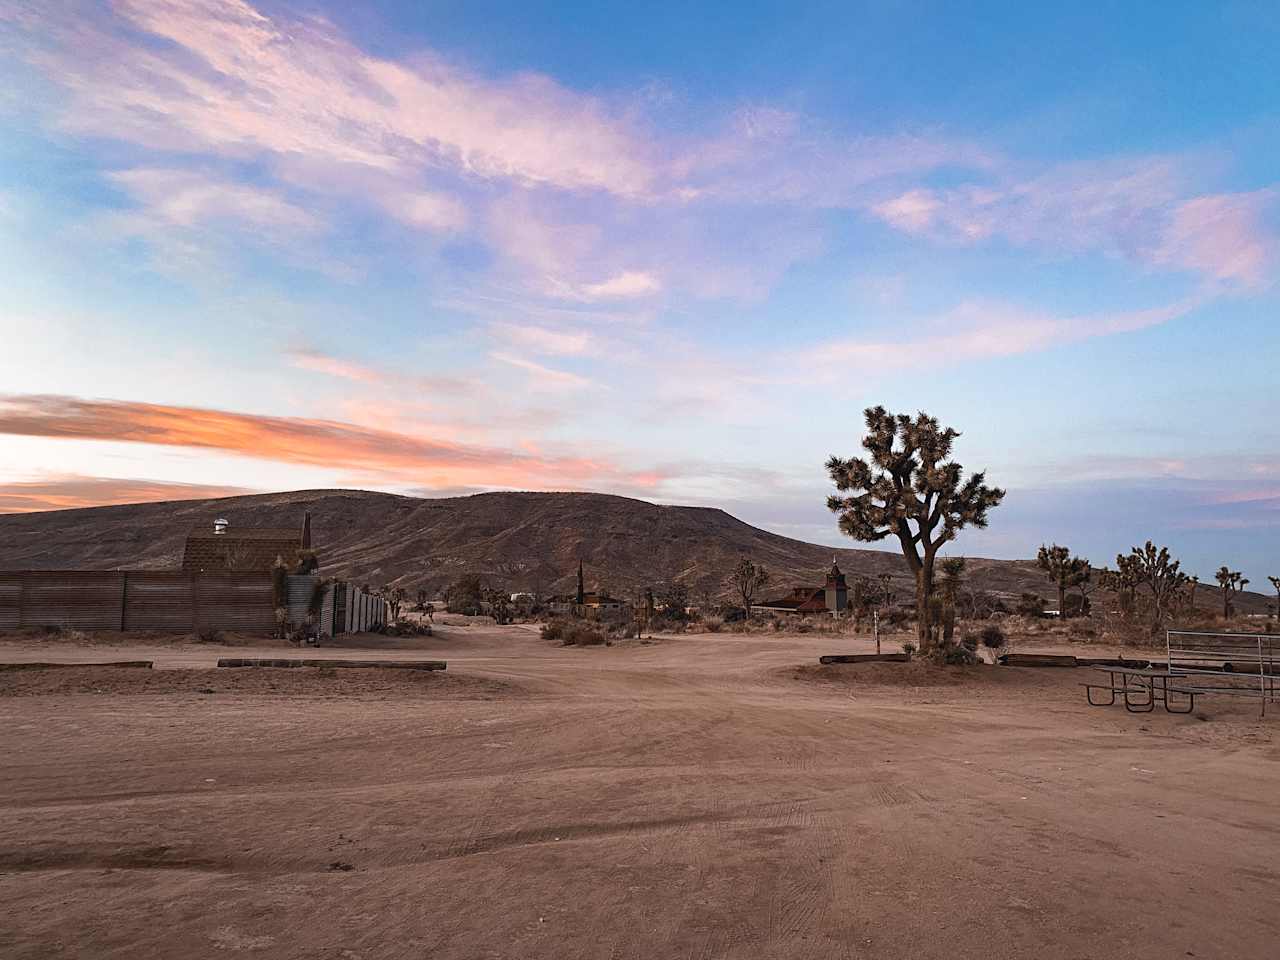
(137, 600)
(178, 602)
(344, 608)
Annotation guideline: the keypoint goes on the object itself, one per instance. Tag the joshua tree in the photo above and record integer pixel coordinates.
(1275, 582)
(395, 597)
(908, 480)
(1064, 570)
(952, 582)
(1160, 573)
(1230, 582)
(747, 578)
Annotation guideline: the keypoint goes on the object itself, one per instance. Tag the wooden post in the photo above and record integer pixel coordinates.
(124, 600)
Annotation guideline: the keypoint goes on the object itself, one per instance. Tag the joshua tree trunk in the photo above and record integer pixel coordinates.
(1062, 600)
(924, 613)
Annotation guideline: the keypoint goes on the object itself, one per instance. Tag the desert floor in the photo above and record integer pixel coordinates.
(703, 796)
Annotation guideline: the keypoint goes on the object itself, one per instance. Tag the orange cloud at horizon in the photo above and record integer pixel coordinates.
(70, 492)
(383, 455)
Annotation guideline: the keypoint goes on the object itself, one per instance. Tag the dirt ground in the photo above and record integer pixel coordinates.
(703, 796)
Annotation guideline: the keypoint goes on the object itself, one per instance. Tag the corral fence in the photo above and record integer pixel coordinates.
(179, 602)
(1243, 664)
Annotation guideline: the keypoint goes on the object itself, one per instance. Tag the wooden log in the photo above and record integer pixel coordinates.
(864, 658)
(1038, 660)
(1112, 662)
(121, 664)
(362, 664)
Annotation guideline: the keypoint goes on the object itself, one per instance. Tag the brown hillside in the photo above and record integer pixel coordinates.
(517, 540)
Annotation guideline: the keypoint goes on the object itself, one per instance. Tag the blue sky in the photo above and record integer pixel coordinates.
(653, 250)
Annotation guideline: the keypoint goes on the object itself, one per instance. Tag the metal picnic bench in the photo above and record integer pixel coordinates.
(1200, 664)
(1130, 682)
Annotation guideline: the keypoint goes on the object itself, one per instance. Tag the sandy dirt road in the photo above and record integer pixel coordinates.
(701, 797)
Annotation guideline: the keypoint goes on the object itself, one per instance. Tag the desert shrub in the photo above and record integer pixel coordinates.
(804, 627)
(969, 642)
(209, 635)
(909, 648)
(1076, 605)
(1031, 605)
(896, 617)
(574, 633)
(777, 624)
(956, 655)
(713, 624)
(734, 614)
(993, 637)
(465, 596)
(583, 635)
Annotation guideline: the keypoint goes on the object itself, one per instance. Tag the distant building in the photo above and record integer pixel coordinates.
(249, 549)
(583, 603)
(832, 597)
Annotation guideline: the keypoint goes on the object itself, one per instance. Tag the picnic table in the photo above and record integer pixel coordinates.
(1141, 688)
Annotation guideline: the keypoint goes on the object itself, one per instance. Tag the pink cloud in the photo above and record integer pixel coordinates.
(383, 455)
(1224, 236)
(976, 330)
(543, 340)
(235, 80)
(69, 491)
(1137, 210)
(541, 376)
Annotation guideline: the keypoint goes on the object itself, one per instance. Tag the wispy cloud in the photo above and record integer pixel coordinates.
(541, 376)
(1140, 210)
(382, 454)
(69, 491)
(543, 340)
(976, 330)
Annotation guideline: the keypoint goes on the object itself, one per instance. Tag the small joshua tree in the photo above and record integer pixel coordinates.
(1160, 574)
(1124, 581)
(1230, 582)
(1275, 582)
(1064, 572)
(747, 578)
(909, 488)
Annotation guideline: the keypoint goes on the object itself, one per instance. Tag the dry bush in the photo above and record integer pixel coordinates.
(574, 633)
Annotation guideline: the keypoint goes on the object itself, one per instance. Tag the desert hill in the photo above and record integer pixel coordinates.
(521, 541)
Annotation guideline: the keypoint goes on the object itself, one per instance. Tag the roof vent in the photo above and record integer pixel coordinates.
(220, 526)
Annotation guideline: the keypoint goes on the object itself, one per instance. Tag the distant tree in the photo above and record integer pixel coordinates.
(465, 596)
(747, 579)
(909, 480)
(673, 595)
(1031, 605)
(1064, 571)
(1275, 582)
(394, 597)
(422, 599)
(499, 603)
(1230, 582)
(1161, 575)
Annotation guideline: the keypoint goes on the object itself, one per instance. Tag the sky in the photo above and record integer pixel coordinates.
(668, 251)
